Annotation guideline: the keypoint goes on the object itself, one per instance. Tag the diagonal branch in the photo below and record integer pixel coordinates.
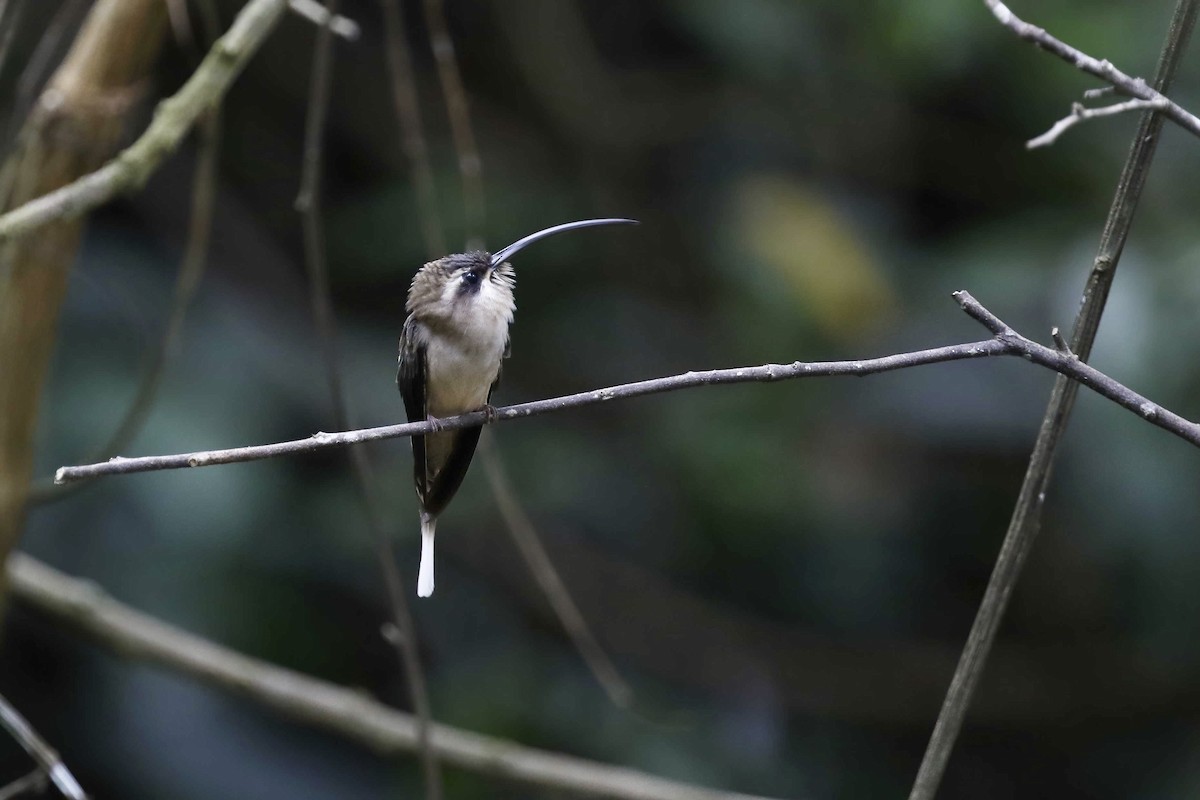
(40, 751)
(1025, 523)
(131, 634)
(1100, 68)
(173, 119)
(33, 783)
(525, 537)
(1005, 342)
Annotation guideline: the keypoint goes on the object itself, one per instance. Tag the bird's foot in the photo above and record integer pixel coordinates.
(490, 414)
(435, 423)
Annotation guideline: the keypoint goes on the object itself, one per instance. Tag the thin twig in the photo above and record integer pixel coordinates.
(33, 783)
(318, 14)
(174, 117)
(131, 634)
(1100, 68)
(1006, 342)
(470, 165)
(526, 538)
(309, 205)
(412, 129)
(1080, 113)
(40, 751)
(1026, 520)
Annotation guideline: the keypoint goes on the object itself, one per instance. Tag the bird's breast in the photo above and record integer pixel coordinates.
(460, 373)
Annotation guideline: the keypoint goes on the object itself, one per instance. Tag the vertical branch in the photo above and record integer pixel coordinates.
(308, 204)
(525, 536)
(470, 166)
(75, 127)
(412, 129)
(1026, 520)
(40, 751)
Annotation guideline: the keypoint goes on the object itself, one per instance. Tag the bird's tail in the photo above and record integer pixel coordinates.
(425, 575)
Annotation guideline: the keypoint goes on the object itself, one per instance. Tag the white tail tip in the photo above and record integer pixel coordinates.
(425, 575)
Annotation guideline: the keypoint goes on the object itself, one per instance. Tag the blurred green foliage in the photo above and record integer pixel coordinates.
(814, 179)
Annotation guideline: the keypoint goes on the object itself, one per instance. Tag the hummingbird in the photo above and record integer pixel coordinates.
(456, 334)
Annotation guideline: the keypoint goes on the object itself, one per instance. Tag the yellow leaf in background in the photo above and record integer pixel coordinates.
(817, 252)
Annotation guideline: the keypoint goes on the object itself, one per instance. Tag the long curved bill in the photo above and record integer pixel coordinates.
(521, 244)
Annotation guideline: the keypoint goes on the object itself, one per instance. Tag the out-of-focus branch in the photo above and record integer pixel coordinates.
(186, 283)
(191, 271)
(1100, 68)
(173, 119)
(11, 12)
(525, 536)
(76, 125)
(1025, 523)
(131, 634)
(1006, 342)
(308, 203)
(40, 751)
(33, 783)
(319, 15)
(33, 76)
(470, 165)
(412, 130)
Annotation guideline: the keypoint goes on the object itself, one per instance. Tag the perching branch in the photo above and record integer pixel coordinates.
(1005, 342)
(173, 119)
(348, 712)
(40, 751)
(1025, 523)
(1100, 68)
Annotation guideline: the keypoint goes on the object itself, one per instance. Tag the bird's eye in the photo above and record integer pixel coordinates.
(470, 277)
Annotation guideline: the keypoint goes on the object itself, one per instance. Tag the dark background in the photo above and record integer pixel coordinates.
(784, 572)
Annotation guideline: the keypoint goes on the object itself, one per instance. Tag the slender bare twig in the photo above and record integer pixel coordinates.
(174, 117)
(318, 14)
(133, 635)
(412, 129)
(1026, 520)
(538, 560)
(309, 205)
(1100, 68)
(33, 783)
(470, 165)
(1081, 113)
(40, 751)
(1005, 342)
